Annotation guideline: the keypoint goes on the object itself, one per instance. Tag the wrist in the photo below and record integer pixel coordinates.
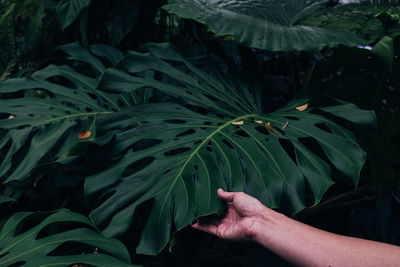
(268, 222)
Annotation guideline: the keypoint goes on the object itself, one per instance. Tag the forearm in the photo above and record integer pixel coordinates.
(304, 245)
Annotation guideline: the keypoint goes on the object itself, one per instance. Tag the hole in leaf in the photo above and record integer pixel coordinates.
(323, 127)
(5, 116)
(4, 254)
(203, 128)
(73, 248)
(144, 143)
(89, 109)
(120, 102)
(102, 198)
(280, 130)
(207, 123)
(176, 151)
(226, 142)
(22, 127)
(178, 108)
(61, 80)
(266, 139)
(262, 129)
(106, 106)
(291, 118)
(219, 123)
(137, 166)
(194, 177)
(30, 115)
(197, 142)
(196, 167)
(188, 92)
(314, 146)
(241, 133)
(30, 222)
(288, 147)
(188, 132)
(59, 227)
(175, 121)
(92, 96)
(197, 109)
(17, 264)
(209, 149)
(167, 171)
(212, 98)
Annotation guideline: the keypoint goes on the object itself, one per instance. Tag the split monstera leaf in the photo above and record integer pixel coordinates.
(167, 129)
(22, 244)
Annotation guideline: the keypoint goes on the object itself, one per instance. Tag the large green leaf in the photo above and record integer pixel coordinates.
(190, 152)
(265, 24)
(29, 247)
(173, 154)
(69, 10)
(50, 126)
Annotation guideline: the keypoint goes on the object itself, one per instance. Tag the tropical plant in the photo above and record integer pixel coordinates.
(135, 143)
(270, 25)
(175, 154)
(57, 240)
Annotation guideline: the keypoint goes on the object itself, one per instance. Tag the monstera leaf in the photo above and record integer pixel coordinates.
(28, 247)
(220, 140)
(40, 126)
(174, 155)
(265, 24)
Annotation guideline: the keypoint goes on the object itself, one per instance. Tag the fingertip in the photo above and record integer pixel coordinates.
(227, 196)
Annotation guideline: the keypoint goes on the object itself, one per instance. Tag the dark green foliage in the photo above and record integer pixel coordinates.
(371, 22)
(138, 136)
(23, 27)
(194, 150)
(27, 239)
(270, 25)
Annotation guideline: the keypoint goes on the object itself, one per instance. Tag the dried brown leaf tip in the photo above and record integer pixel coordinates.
(257, 121)
(269, 127)
(302, 107)
(84, 134)
(238, 122)
(284, 126)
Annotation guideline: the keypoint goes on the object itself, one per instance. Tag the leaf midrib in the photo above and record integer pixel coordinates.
(219, 129)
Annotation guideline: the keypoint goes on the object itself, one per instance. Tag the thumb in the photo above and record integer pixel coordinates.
(226, 196)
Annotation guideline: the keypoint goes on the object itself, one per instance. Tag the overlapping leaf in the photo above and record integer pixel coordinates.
(28, 247)
(40, 125)
(264, 24)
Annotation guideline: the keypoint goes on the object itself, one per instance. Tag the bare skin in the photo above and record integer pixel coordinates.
(248, 219)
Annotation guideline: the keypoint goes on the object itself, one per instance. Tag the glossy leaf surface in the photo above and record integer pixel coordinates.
(264, 24)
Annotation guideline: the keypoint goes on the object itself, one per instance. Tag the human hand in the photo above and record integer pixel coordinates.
(239, 220)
